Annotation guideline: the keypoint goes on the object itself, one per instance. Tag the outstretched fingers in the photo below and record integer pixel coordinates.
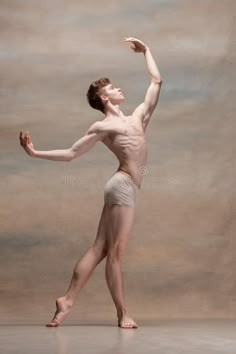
(130, 39)
(137, 45)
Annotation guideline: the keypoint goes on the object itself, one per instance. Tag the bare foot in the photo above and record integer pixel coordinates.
(125, 321)
(63, 309)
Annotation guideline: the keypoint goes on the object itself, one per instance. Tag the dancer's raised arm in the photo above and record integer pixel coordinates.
(145, 109)
(84, 144)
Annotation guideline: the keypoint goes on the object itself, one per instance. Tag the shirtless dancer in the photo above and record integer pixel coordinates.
(125, 137)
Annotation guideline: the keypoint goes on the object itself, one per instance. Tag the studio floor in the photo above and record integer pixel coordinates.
(161, 337)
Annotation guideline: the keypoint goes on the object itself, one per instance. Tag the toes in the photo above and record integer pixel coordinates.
(53, 323)
(124, 324)
(55, 320)
(128, 325)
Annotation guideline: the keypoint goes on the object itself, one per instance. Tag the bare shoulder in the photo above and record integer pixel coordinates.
(100, 128)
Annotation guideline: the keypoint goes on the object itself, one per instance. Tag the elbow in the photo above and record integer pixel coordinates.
(70, 155)
(157, 81)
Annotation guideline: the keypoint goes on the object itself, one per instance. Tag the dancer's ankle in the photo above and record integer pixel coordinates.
(121, 312)
(69, 301)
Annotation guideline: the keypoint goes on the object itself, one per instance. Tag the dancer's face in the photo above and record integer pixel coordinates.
(114, 95)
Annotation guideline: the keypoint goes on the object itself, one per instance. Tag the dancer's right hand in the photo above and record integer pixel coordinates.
(26, 143)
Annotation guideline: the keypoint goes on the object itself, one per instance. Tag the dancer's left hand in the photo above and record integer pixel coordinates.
(137, 45)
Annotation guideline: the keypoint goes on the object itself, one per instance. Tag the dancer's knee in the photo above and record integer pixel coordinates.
(116, 251)
(100, 251)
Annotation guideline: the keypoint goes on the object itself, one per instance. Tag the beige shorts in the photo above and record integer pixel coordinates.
(120, 189)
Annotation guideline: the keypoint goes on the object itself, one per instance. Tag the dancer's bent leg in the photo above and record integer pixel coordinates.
(81, 273)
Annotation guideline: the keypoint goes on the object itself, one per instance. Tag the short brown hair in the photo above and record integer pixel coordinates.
(93, 97)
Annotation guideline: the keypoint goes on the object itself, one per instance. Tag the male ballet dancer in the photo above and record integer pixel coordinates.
(125, 137)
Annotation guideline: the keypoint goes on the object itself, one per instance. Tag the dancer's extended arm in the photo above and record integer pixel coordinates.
(145, 109)
(84, 144)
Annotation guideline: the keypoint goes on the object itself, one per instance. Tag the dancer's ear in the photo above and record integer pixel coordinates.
(104, 98)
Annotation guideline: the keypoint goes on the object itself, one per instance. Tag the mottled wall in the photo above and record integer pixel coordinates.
(180, 259)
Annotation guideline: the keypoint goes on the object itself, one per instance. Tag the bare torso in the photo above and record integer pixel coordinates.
(125, 137)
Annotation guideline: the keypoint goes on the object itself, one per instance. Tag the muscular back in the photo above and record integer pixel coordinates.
(125, 137)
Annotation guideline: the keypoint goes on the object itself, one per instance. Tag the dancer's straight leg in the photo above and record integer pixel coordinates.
(120, 221)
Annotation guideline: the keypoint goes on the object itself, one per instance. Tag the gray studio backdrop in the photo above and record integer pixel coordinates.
(180, 259)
